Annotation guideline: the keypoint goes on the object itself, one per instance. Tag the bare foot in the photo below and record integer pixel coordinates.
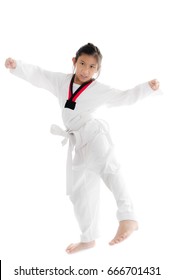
(76, 247)
(125, 229)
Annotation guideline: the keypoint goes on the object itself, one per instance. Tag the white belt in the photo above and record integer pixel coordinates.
(68, 137)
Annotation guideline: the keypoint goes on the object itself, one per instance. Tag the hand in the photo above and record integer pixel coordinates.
(10, 63)
(154, 84)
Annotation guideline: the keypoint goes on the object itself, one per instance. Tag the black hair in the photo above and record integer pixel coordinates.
(90, 49)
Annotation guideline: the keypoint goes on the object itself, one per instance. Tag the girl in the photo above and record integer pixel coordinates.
(79, 95)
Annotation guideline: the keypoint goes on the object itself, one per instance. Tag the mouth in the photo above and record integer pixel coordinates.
(84, 77)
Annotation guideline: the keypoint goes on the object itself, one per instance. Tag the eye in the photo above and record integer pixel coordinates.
(82, 63)
(93, 66)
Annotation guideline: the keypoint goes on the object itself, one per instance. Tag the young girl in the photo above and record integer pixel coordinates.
(79, 95)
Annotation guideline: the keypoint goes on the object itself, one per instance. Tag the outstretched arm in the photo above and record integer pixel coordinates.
(131, 96)
(35, 75)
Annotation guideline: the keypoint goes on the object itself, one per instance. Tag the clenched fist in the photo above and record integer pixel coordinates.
(10, 63)
(154, 84)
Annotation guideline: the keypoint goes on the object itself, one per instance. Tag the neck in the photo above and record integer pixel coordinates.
(77, 81)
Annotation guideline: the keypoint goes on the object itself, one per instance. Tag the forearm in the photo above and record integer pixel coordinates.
(36, 76)
(131, 96)
(137, 93)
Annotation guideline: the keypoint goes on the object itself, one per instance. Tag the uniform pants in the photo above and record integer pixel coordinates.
(95, 161)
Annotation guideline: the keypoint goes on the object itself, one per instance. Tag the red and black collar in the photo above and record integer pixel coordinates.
(71, 102)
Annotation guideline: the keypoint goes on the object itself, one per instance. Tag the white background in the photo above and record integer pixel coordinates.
(37, 220)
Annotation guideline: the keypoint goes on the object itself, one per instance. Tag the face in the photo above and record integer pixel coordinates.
(86, 67)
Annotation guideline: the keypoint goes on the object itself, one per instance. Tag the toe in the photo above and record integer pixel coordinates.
(68, 249)
(118, 239)
(113, 242)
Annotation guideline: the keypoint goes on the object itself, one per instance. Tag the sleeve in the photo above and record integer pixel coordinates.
(39, 77)
(131, 96)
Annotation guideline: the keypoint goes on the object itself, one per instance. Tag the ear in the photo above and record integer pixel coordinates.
(74, 61)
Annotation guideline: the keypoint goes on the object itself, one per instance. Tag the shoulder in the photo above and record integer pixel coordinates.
(64, 79)
(100, 85)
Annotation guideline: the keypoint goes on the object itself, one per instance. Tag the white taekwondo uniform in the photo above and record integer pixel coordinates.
(94, 157)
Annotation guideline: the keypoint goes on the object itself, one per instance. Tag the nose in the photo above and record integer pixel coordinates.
(86, 70)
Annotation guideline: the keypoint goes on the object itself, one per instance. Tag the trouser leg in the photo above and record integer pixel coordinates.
(103, 156)
(85, 199)
(115, 183)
